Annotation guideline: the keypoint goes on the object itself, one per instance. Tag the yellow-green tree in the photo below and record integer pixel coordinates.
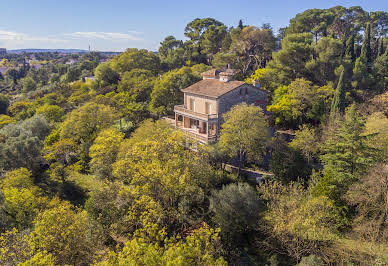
(53, 113)
(161, 167)
(22, 199)
(103, 152)
(201, 247)
(65, 233)
(299, 223)
(244, 133)
(83, 125)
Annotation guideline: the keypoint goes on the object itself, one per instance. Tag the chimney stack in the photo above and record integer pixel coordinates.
(256, 83)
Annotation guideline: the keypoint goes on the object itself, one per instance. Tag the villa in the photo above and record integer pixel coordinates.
(206, 101)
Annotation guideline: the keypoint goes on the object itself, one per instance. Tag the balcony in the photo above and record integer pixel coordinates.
(181, 109)
(194, 134)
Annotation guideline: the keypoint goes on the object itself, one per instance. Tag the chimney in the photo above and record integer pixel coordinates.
(210, 74)
(256, 83)
(227, 75)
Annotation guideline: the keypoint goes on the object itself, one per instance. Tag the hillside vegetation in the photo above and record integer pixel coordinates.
(90, 174)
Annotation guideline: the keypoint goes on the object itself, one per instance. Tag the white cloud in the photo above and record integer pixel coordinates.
(17, 37)
(110, 36)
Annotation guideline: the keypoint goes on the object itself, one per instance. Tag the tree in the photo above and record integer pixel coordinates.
(5, 120)
(240, 24)
(338, 104)
(14, 247)
(4, 103)
(195, 30)
(244, 133)
(295, 223)
(103, 152)
(366, 51)
(21, 143)
(171, 53)
(314, 21)
(22, 199)
(105, 75)
(289, 63)
(134, 58)
(300, 102)
(306, 140)
(212, 41)
(28, 84)
(254, 47)
(166, 92)
(350, 53)
(21, 110)
(53, 113)
(222, 60)
(156, 164)
(347, 21)
(362, 78)
(370, 198)
(236, 209)
(346, 154)
(326, 59)
(201, 247)
(381, 70)
(66, 234)
(84, 123)
(286, 163)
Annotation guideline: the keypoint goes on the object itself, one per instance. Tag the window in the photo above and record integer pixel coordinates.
(192, 104)
(208, 108)
(244, 91)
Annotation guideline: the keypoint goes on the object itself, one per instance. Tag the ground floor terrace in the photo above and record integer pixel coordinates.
(201, 130)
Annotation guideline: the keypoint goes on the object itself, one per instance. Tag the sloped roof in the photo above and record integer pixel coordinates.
(213, 87)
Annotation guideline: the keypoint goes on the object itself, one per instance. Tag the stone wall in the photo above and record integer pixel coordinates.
(244, 93)
(200, 102)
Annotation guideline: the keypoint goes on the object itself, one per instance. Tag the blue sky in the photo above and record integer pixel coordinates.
(114, 25)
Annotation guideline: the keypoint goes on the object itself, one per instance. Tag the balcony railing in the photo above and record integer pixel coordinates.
(198, 136)
(184, 110)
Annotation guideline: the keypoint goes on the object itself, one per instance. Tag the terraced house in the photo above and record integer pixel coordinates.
(205, 102)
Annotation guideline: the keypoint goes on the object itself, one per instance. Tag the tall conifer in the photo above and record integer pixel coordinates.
(338, 103)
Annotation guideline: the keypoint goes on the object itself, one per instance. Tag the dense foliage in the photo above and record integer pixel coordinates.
(91, 174)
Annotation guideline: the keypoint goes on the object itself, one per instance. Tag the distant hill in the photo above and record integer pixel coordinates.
(66, 51)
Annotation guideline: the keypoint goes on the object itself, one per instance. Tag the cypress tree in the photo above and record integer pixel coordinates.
(380, 50)
(338, 103)
(366, 52)
(350, 48)
(240, 24)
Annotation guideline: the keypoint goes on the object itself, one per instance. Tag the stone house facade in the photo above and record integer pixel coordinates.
(205, 102)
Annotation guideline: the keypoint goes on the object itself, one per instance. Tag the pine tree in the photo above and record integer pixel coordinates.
(346, 156)
(338, 103)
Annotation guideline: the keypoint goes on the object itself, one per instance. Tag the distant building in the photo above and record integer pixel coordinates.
(90, 78)
(71, 61)
(3, 70)
(3, 51)
(36, 66)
